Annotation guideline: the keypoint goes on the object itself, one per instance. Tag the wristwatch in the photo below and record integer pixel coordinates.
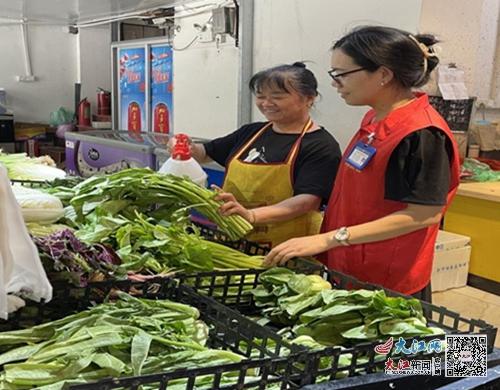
(342, 236)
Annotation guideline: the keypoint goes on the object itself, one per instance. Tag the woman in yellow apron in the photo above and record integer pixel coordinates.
(279, 172)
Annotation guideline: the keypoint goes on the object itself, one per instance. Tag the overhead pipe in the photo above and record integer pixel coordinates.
(27, 59)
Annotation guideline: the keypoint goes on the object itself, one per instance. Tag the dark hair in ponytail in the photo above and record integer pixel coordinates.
(410, 57)
(287, 78)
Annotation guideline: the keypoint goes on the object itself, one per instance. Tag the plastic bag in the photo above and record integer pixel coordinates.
(21, 271)
(62, 129)
(61, 117)
(475, 170)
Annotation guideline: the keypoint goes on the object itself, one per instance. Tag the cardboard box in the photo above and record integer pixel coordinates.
(461, 138)
(487, 135)
(451, 261)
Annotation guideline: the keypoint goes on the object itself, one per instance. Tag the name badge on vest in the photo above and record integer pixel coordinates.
(361, 154)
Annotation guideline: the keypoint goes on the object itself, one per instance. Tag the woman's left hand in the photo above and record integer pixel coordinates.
(298, 247)
(231, 205)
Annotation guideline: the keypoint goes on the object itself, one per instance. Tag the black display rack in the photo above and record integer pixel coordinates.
(31, 183)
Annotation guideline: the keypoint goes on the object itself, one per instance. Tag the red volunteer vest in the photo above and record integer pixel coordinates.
(402, 263)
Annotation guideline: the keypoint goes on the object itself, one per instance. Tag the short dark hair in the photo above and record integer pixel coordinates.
(287, 78)
(374, 46)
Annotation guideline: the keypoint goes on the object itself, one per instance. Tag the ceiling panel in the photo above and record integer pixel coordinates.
(76, 11)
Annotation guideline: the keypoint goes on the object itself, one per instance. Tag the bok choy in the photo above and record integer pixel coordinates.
(334, 316)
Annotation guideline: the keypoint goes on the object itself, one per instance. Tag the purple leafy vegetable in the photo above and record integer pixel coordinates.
(64, 256)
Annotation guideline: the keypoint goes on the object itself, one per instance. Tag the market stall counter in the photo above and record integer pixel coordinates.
(475, 212)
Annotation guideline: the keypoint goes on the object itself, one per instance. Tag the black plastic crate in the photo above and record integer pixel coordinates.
(457, 113)
(42, 184)
(166, 380)
(30, 183)
(232, 288)
(267, 353)
(68, 299)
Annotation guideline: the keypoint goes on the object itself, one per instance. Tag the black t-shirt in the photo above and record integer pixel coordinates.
(316, 164)
(419, 168)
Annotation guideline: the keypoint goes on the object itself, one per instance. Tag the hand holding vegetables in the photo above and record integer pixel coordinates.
(231, 206)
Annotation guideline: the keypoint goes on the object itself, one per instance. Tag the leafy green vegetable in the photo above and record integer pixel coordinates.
(336, 317)
(131, 336)
(163, 197)
(147, 247)
(65, 257)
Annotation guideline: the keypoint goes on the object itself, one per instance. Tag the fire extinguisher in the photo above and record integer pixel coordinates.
(84, 113)
(134, 117)
(103, 102)
(161, 119)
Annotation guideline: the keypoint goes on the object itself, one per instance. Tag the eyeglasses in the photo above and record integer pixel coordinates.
(337, 77)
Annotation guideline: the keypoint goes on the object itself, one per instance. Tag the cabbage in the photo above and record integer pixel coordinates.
(37, 206)
(21, 167)
(34, 172)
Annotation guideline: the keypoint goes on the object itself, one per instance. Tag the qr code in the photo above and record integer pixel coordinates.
(465, 355)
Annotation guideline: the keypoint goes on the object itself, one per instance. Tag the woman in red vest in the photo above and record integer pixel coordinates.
(399, 172)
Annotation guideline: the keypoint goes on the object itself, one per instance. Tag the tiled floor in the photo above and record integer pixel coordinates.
(471, 303)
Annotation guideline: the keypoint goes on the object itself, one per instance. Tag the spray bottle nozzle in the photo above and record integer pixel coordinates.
(181, 149)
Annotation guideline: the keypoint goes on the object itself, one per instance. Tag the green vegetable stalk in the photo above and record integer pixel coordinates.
(145, 247)
(164, 197)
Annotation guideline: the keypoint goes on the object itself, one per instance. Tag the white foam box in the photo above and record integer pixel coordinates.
(451, 261)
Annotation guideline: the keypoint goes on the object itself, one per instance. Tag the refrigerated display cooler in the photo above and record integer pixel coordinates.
(142, 92)
(106, 151)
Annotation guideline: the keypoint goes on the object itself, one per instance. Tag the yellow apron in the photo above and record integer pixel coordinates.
(260, 184)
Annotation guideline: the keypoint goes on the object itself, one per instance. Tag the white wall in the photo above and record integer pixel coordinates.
(206, 76)
(58, 61)
(470, 37)
(468, 31)
(205, 83)
(53, 61)
(291, 30)
(94, 61)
